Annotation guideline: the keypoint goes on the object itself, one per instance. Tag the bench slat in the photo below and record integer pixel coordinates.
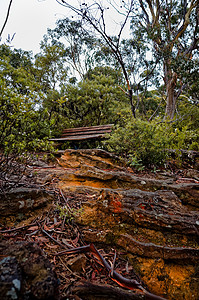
(78, 138)
(93, 132)
(99, 127)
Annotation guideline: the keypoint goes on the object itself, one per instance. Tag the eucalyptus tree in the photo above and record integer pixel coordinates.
(168, 29)
(51, 68)
(171, 28)
(78, 46)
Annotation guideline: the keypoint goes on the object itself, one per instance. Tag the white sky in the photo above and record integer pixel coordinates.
(29, 19)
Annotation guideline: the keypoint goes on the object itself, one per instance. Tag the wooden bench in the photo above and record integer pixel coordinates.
(84, 133)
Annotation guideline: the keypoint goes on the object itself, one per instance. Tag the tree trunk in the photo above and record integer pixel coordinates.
(170, 79)
(131, 102)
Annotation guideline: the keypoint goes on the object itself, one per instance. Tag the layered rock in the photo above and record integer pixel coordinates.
(22, 203)
(23, 200)
(154, 219)
(100, 169)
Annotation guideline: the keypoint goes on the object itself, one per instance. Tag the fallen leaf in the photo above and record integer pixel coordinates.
(47, 228)
(93, 276)
(33, 228)
(41, 239)
(52, 246)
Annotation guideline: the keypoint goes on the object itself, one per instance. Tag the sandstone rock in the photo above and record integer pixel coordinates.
(153, 219)
(152, 227)
(188, 193)
(91, 157)
(100, 169)
(157, 210)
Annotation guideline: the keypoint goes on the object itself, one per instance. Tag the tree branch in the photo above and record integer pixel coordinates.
(6, 20)
(186, 22)
(114, 47)
(88, 289)
(151, 10)
(145, 12)
(194, 44)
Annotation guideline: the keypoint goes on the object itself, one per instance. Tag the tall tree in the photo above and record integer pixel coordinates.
(93, 18)
(50, 66)
(171, 27)
(78, 45)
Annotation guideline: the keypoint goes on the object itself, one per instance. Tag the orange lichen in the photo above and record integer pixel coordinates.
(117, 205)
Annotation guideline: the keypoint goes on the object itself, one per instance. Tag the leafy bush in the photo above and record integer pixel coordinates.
(21, 130)
(93, 101)
(96, 100)
(146, 143)
(143, 140)
(20, 124)
(22, 127)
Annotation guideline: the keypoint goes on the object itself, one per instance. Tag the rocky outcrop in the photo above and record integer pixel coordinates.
(91, 157)
(153, 218)
(100, 169)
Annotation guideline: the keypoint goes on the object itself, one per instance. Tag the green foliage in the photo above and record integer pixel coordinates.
(150, 103)
(135, 163)
(194, 146)
(50, 67)
(184, 138)
(96, 100)
(143, 140)
(93, 102)
(22, 127)
(17, 58)
(68, 213)
(145, 143)
(78, 45)
(107, 71)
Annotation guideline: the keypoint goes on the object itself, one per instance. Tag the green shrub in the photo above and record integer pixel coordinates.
(194, 146)
(143, 140)
(146, 143)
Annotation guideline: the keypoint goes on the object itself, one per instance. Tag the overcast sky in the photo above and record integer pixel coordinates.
(29, 19)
